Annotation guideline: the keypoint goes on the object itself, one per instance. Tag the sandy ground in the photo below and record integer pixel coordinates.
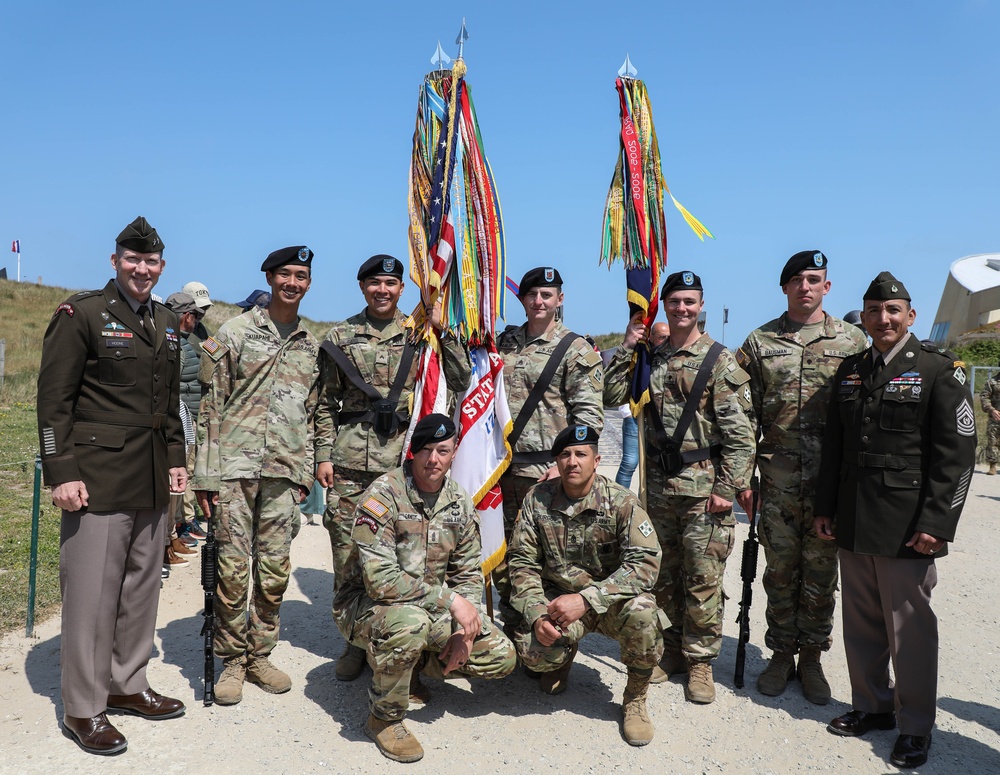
(509, 726)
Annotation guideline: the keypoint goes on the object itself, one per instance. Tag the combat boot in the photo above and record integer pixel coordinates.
(394, 740)
(262, 672)
(638, 729)
(229, 687)
(672, 663)
(993, 470)
(815, 687)
(779, 671)
(556, 681)
(350, 663)
(700, 686)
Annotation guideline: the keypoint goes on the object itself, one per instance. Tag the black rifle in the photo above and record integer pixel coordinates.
(748, 572)
(209, 552)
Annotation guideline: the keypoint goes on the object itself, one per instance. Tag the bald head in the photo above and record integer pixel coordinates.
(658, 334)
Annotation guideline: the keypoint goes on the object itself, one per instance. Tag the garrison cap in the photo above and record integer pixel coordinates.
(430, 430)
(805, 259)
(181, 303)
(382, 264)
(574, 436)
(681, 281)
(140, 237)
(199, 293)
(256, 299)
(299, 255)
(886, 287)
(539, 277)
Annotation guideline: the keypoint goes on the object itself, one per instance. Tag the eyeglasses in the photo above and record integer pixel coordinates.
(197, 315)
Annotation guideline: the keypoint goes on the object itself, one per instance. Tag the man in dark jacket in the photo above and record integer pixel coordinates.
(112, 451)
(898, 455)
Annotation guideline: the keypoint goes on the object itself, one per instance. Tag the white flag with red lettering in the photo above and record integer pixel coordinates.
(484, 421)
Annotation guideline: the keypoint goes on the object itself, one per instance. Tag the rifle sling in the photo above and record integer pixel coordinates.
(536, 395)
(352, 374)
(687, 416)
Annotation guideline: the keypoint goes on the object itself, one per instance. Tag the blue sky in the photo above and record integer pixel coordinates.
(865, 129)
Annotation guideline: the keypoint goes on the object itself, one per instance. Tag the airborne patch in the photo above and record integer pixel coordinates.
(375, 507)
(646, 528)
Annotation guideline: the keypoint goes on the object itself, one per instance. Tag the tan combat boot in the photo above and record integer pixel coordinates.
(700, 686)
(394, 740)
(269, 678)
(556, 681)
(229, 687)
(672, 663)
(350, 663)
(815, 687)
(779, 671)
(993, 470)
(638, 729)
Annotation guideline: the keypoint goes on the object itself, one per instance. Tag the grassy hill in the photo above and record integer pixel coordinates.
(25, 311)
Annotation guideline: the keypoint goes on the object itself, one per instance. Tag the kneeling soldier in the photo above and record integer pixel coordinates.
(417, 587)
(584, 557)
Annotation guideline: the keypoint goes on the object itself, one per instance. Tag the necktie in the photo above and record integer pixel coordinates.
(877, 367)
(144, 319)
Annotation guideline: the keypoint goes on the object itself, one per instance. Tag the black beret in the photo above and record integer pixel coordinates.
(381, 264)
(854, 318)
(805, 259)
(297, 254)
(539, 277)
(140, 237)
(573, 436)
(431, 429)
(886, 287)
(681, 281)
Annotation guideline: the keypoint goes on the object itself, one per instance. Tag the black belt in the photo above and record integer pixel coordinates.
(531, 458)
(153, 421)
(892, 462)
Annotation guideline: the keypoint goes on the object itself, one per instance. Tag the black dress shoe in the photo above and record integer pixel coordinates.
(910, 750)
(857, 722)
(148, 704)
(94, 735)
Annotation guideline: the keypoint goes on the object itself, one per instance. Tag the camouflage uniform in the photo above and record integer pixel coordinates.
(358, 454)
(602, 546)
(791, 380)
(255, 448)
(413, 561)
(989, 398)
(573, 397)
(695, 543)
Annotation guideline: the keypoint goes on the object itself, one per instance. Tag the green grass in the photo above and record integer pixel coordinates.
(18, 443)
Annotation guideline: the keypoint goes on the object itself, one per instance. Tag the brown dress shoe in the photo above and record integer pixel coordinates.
(94, 735)
(148, 704)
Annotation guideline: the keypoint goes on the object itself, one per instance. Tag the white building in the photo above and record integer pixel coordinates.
(971, 297)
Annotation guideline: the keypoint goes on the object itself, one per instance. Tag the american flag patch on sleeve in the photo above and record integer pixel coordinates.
(210, 345)
(375, 507)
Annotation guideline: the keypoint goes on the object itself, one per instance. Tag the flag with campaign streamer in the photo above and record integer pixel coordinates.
(457, 260)
(635, 231)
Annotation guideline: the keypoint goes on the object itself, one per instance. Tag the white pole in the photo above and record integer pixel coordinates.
(19, 266)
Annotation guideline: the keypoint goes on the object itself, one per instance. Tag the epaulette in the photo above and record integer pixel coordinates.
(85, 294)
(508, 331)
(943, 351)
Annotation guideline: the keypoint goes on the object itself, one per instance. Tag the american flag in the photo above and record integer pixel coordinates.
(15, 246)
